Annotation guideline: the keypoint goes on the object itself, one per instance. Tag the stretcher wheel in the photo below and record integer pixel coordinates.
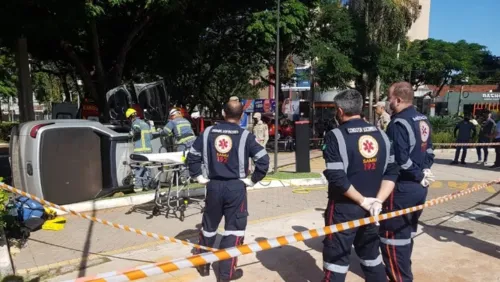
(181, 217)
(167, 212)
(156, 211)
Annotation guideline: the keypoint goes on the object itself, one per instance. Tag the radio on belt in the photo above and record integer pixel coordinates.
(302, 137)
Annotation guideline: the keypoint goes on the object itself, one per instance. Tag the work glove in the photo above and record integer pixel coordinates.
(368, 202)
(428, 178)
(376, 209)
(202, 180)
(247, 182)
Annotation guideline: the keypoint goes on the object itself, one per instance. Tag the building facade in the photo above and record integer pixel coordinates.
(420, 28)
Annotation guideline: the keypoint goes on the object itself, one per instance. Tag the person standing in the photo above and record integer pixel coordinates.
(358, 158)
(260, 130)
(466, 133)
(140, 131)
(181, 129)
(496, 136)
(410, 134)
(384, 118)
(487, 128)
(219, 158)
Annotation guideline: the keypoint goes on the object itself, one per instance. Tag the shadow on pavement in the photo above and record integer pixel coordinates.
(467, 165)
(317, 245)
(291, 263)
(461, 237)
(14, 278)
(147, 209)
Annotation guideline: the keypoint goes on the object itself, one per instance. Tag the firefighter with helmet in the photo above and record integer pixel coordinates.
(142, 145)
(180, 128)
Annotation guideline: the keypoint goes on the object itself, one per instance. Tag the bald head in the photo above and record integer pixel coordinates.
(233, 110)
(402, 90)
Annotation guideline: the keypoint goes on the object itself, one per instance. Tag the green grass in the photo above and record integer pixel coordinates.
(293, 175)
(281, 175)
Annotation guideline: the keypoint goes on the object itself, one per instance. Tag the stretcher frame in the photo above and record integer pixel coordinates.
(171, 201)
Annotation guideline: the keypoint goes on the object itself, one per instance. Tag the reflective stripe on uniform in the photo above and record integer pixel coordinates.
(371, 262)
(392, 159)
(335, 267)
(143, 139)
(407, 165)
(342, 147)
(241, 153)
(204, 166)
(194, 152)
(239, 233)
(387, 149)
(335, 166)
(208, 234)
(259, 155)
(411, 134)
(186, 139)
(395, 242)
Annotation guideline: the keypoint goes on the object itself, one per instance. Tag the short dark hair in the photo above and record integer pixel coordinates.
(350, 101)
(403, 90)
(233, 110)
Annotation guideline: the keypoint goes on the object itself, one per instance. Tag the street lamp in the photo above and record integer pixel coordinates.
(277, 89)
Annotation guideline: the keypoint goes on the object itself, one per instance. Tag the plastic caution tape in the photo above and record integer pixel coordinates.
(254, 247)
(465, 144)
(103, 221)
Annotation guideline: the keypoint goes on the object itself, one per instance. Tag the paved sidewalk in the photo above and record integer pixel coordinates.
(442, 253)
(83, 244)
(441, 168)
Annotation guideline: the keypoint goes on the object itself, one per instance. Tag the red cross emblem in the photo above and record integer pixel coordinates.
(223, 144)
(368, 146)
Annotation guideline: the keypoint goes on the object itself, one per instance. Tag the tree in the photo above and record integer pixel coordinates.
(8, 77)
(380, 25)
(332, 38)
(439, 62)
(94, 37)
(295, 19)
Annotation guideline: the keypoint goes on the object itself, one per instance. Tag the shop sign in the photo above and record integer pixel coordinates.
(491, 96)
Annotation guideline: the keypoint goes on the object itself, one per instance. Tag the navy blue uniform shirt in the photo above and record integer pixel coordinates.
(358, 154)
(410, 135)
(222, 152)
(466, 131)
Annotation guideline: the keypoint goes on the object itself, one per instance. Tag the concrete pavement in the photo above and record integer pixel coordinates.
(452, 232)
(442, 253)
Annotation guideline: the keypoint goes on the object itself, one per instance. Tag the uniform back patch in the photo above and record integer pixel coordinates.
(366, 129)
(424, 130)
(223, 144)
(368, 146)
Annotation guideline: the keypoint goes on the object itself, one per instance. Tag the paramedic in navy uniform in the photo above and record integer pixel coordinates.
(358, 159)
(219, 158)
(410, 134)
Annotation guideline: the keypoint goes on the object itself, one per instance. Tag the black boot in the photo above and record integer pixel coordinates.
(203, 270)
(237, 274)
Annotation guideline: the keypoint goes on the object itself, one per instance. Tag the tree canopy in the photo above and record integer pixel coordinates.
(206, 51)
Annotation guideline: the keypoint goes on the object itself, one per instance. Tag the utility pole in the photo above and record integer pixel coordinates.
(277, 89)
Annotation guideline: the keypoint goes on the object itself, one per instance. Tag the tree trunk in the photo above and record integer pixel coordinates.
(25, 91)
(378, 83)
(67, 93)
